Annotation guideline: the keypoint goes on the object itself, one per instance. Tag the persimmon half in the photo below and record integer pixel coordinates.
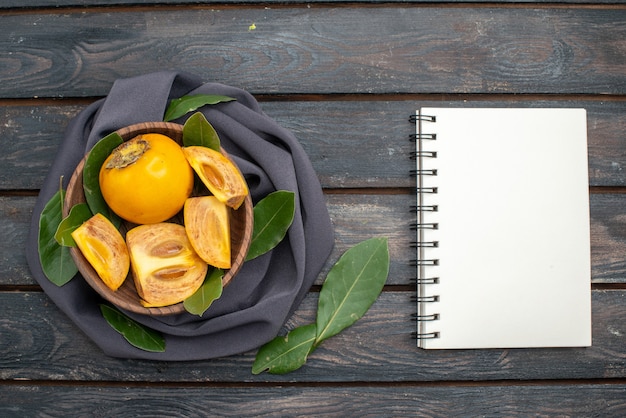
(165, 268)
(147, 179)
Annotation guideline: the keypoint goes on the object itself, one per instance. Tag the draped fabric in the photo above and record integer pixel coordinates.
(258, 301)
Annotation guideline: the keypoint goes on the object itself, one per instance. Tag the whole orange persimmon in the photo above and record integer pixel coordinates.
(146, 179)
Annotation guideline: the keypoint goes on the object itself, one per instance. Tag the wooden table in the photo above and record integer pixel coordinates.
(344, 77)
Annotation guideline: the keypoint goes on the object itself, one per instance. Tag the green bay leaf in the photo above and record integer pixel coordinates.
(91, 176)
(56, 261)
(180, 107)
(78, 214)
(286, 354)
(351, 286)
(199, 132)
(273, 216)
(135, 333)
(203, 298)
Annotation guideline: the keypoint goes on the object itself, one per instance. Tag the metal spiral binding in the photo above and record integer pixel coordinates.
(427, 280)
(426, 299)
(426, 225)
(424, 208)
(419, 154)
(419, 263)
(424, 335)
(420, 226)
(415, 137)
(420, 117)
(425, 244)
(431, 317)
(427, 172)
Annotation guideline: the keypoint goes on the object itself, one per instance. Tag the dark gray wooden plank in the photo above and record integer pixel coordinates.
(39, 343)
(31, 4)
(423, 400)
(355, 217)
(15, 214)
(322, 49)
(608, 238)
(350, 143)
(29, 139)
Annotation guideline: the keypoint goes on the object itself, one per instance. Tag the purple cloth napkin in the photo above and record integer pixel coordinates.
(256, 304)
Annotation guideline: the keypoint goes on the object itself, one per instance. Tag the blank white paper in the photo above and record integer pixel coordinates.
(512, 229)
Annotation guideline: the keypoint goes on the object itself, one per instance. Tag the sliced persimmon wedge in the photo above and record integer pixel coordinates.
(207, 224)
(219, 174)
(103, 246)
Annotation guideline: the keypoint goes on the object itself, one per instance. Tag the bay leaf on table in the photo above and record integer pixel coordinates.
(287, 353)
(352, 286)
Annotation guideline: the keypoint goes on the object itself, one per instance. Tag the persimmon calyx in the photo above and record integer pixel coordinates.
(127, 153)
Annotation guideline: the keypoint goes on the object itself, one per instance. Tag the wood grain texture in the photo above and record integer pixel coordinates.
(321, 49)
(343, 77)
(55, 4)
(40, 343)
(433, 401)
(15, 214)
(350, 143)
(608, 238)
(355, 217)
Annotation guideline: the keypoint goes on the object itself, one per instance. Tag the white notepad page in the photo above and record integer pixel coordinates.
(512, 229)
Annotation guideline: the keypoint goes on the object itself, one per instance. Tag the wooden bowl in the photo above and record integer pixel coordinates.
(126, 297)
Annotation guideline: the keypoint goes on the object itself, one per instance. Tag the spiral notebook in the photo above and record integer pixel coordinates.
(502, 228)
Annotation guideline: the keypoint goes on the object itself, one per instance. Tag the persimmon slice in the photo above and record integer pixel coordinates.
(104, 248)
(219, 174)
(164, 265)
(208, 227)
